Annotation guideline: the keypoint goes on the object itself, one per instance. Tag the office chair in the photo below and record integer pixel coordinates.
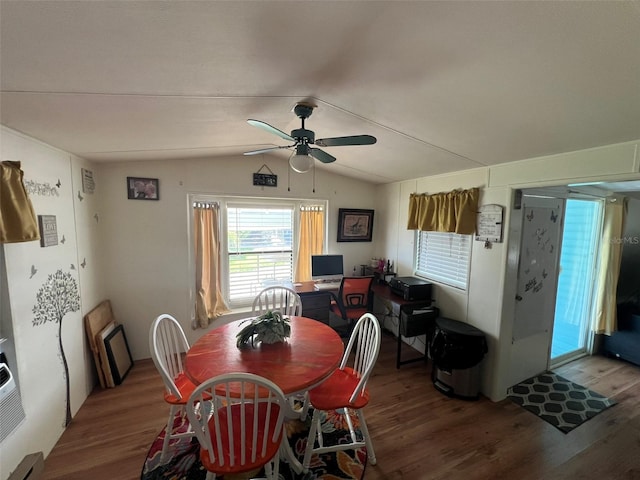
(346, 390)
(239, 421)
(353, 300)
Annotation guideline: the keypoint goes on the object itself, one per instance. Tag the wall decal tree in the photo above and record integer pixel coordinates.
(57, 296)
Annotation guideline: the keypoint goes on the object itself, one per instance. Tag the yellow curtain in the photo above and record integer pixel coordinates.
(209, 301)
(453, 211)
(311, 240)
(610, 258)
(17, 218)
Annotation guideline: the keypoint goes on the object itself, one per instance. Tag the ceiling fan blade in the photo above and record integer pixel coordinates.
(353, 140)
(265, 150)
(321, 155)
(270, 129)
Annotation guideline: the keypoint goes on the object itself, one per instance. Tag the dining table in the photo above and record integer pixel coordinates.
(306, 358)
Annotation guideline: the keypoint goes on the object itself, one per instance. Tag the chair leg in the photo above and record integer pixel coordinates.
(352, 431)
(305, 407)
(371, 455)
(168, 432)
(311, 440)
(274, 467)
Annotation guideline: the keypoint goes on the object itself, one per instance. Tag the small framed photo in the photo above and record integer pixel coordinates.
(139, 188)
(355, 225)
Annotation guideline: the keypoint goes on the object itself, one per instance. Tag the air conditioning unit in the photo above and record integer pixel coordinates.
(11, 411)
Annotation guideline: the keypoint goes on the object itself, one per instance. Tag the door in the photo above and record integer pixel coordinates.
(538, 267)
(574, 301)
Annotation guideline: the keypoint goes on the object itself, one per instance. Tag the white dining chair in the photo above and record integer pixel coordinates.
(167, 343)
(280, 298)
(239, 421)
(345, 390)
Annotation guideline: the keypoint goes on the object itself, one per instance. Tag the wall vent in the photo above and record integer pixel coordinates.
(11, 411)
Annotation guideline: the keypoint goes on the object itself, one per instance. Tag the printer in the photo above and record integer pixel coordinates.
(411, 288)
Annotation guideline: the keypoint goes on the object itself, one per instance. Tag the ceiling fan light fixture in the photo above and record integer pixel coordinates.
(301, 161)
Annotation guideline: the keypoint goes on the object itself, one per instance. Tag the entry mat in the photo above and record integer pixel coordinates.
(561, 402)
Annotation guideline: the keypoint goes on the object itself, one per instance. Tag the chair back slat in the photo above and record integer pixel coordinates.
(280, 298)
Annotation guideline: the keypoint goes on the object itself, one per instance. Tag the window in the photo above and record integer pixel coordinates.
(259, 243)
(444, 257)
(259, 248)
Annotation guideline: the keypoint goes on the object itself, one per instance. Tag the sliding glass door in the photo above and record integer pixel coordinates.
(578, 261)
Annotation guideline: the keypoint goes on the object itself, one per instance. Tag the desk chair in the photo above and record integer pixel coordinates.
(167, 342)
(283, 299)
(353, 300)
(346, 390)
(239, 432)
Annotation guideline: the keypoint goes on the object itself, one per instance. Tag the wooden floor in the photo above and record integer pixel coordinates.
(418, 433)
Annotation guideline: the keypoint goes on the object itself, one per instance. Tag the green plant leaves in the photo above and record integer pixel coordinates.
(270, 327)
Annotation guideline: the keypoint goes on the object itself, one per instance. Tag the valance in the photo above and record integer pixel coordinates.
(453, 211)
(17, 218)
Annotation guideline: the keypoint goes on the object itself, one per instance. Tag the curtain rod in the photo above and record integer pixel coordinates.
(206, 205)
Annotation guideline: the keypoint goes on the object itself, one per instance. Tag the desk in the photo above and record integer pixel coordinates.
(315, 303)
(312, 352)
(405, 307)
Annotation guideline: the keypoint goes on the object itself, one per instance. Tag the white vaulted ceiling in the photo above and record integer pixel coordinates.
(444, 86)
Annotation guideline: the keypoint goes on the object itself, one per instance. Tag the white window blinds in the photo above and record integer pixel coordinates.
(260, 248)
(444, 257)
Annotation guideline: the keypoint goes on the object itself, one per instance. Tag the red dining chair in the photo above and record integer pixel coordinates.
(345, 390)
(167, 343)
(353, 300)
(239, 421)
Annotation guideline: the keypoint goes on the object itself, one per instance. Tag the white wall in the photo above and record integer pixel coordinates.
(35, 348)
(145, 255)
(489, 302)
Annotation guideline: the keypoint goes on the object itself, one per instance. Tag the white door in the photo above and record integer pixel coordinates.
(538, 269)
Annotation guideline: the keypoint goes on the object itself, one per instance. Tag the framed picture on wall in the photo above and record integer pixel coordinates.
(139, 188)
(355, 225)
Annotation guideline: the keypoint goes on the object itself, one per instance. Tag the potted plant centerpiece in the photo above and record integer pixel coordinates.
(270, 327)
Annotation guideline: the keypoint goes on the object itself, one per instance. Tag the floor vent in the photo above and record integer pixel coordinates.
(11, 411)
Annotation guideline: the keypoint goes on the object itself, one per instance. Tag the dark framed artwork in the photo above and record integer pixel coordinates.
(118, 354)
(139, 188)
(355, 225)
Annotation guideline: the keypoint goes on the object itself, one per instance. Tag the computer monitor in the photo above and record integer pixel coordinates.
(327, 267)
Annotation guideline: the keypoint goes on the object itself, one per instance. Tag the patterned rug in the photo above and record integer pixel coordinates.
(183, 463)
(562, 403)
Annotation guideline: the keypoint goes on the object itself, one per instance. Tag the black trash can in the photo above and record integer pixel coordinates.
(457, 349)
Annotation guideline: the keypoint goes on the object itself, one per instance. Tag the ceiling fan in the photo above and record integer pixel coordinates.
(302, 160)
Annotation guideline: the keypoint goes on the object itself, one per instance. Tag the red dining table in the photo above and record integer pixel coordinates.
(312, 352)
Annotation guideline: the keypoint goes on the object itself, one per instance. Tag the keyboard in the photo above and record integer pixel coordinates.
(328, 286)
